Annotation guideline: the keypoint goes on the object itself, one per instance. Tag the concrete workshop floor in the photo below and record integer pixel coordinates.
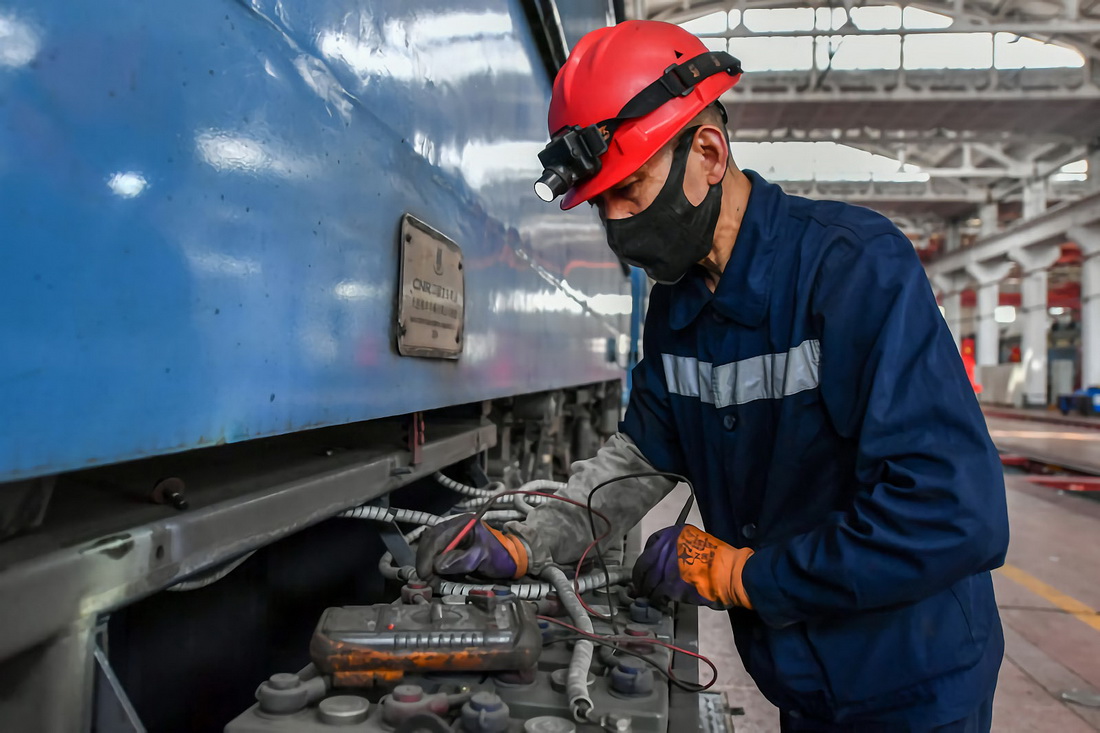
(1048, 592)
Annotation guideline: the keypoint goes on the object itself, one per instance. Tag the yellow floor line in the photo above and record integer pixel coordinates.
(1068, 604)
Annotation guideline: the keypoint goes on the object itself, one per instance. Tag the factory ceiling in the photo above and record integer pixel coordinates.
(965, 102)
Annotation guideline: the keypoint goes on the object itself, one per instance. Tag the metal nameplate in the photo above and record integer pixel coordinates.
(431, 313)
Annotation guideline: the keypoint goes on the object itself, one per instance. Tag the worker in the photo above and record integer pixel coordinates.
(797, 370)
(970, 364)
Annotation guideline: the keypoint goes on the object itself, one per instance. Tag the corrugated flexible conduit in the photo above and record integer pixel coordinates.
(462, 488)
(576, 682)
(390, 514)
(471, 505)
(411, 516)
(544, 485)
(523, 503)
(537, 591)
(526, 504)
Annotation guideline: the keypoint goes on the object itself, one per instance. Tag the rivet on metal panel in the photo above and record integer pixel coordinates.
(170, 491)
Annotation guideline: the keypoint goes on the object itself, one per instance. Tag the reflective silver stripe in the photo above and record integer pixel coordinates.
(769, 376)
(803, 367)
(688, 377)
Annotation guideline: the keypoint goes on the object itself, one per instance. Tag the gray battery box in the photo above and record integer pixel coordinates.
(361, 646)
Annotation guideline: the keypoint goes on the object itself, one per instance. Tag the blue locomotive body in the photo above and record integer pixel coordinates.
(263, 262)
(201, 208)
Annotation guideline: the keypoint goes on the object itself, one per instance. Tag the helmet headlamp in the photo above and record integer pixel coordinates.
(572, 155)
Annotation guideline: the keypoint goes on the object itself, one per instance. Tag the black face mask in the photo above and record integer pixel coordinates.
(670, 235)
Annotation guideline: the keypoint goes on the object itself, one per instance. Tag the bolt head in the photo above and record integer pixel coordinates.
(408, 693)
(343, 710)
(283, 681)
(485, 701)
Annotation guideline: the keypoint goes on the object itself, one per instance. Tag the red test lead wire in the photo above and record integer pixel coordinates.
(646, 640)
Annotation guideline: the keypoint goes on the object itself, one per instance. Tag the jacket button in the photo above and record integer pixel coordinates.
(748, 531)
(729, 422)
(716, 316)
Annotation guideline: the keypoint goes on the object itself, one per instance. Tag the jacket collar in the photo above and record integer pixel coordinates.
(743, 289)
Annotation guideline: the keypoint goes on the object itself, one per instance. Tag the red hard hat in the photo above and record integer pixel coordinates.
(605, 70)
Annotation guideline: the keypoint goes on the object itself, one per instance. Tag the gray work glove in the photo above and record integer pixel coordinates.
(559, 532)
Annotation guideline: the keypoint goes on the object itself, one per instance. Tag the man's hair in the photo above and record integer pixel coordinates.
(712, 114)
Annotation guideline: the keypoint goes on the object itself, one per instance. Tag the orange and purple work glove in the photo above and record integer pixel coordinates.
(685, 564)
(483, 551)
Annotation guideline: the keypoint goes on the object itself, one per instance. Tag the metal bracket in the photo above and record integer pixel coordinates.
(416, 437)
(23, 504)
(114, 712)
(395, 542)
(477, 474)
(393, 538)
(715, 713)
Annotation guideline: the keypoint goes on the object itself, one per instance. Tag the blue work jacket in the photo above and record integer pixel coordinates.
(819, 405)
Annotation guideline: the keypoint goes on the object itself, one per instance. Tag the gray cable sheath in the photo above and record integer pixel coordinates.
(544, 485)
(576, 683)
(390, 514)
(534, 591)
(462, 488)
(411, 516)
(476, 503)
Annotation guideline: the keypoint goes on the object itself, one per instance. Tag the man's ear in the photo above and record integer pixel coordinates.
(710, 142)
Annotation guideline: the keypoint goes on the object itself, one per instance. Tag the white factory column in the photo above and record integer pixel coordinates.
(988, 341)
(1092, 182)
(989, 214)
(1035, 198)
(1034, 262)
(950, 287)
(1088, 239)
(952, 240)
